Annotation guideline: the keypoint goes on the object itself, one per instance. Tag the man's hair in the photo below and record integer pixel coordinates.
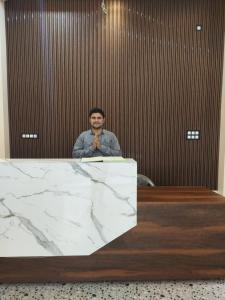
(96, 110)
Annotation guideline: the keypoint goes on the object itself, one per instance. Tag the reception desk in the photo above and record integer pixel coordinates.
(64, 207)
(179, 235)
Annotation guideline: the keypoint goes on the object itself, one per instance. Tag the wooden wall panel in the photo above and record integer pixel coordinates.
(144, 63)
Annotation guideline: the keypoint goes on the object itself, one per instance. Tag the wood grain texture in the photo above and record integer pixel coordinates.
(179, 236)
(144, 63)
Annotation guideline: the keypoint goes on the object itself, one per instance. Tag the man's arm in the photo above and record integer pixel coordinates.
(113, 150)
(79, 151)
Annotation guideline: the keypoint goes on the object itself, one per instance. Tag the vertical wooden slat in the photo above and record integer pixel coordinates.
(144, 63)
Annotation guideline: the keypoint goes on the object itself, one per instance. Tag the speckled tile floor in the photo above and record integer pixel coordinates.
(164, 290)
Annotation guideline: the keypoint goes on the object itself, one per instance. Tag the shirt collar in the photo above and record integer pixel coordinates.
(102, 132)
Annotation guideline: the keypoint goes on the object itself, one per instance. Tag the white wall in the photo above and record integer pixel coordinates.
(221, 174)
(4, 120)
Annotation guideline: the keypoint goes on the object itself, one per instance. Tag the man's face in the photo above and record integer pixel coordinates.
(96, 120)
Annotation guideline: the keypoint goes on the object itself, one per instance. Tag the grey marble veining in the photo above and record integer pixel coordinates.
(64, 207)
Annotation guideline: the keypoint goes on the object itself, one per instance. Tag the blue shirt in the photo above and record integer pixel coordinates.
(109, 145)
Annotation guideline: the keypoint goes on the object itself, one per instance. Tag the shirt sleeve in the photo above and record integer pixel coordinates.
(113, 150)
(79, 151)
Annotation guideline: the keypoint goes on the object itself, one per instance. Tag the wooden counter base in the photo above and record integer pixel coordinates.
(180, 235)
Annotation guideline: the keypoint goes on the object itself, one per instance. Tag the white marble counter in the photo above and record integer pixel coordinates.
(64, 207)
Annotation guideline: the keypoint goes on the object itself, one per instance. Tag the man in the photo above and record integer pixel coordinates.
(96, 141)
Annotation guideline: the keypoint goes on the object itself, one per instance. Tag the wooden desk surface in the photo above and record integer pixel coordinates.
(180, 235)
(177, 193)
